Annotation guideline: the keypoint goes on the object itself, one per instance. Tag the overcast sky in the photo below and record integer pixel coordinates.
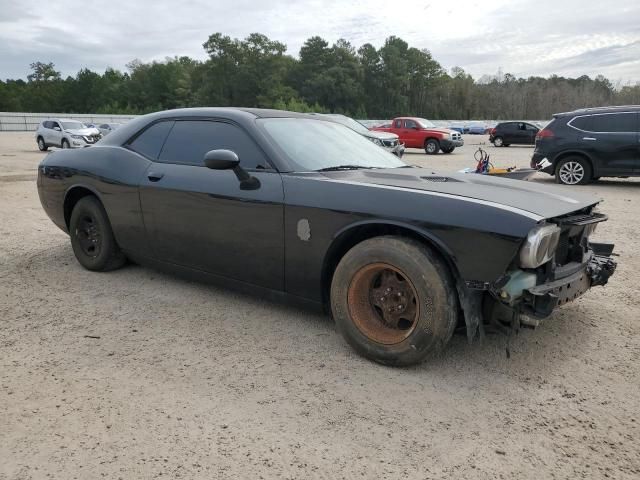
(523, 37)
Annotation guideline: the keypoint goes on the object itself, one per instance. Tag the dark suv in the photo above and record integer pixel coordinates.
(581, 146)
(518, 133)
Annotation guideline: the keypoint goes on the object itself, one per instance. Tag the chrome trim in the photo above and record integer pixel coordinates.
(599, 114)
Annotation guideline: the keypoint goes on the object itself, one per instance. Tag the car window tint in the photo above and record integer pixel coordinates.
(189, 140)
(530, 127)
(149, 142)
(617, 122)
(582, 123)
(46, 124)
(54, 125)
(398, 124)
(410, 124)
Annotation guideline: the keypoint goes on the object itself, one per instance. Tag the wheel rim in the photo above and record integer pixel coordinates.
(40, 144)
(383, 303)
(431, 147)
(498, 142)
(88, 235)
(571, 173)
(65, 144)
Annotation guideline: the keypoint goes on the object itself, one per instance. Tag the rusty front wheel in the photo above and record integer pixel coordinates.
(394, 300)
(383, 303)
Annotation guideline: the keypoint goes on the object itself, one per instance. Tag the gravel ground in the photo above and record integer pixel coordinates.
(138, 374)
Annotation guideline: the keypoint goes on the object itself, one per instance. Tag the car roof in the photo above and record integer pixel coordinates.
(592, 110)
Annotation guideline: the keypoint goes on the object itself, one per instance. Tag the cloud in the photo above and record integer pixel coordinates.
(571, 37)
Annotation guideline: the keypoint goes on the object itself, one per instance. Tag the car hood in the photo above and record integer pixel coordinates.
(441, 130)
(382, 135)
(544, 201)
(83, 131)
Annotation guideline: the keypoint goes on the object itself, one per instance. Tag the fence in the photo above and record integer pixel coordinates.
(28, 122)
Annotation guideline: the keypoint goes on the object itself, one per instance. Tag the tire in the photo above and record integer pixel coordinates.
(41, 145)
(573, 171)
(369, 275)
(506, 145)
(448, 150)
(92, 239)
(431, 146)
(65, 143)
(498, 142)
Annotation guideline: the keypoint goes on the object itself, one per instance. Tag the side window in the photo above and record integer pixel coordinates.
(521, 126)
(530, 127)
(46, 124)
(189, 140)
(150, 141)
(509, 126)
(410, 124)
(54, 125)
(397, 124)
(104, 125)
(616, 122)
(582, 123)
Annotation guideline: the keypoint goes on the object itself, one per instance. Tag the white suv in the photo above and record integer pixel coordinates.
(65, 134)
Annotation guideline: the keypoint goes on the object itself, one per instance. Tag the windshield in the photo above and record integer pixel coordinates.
(424, 123)
(317, 144)
(73, 125)
(351, 123)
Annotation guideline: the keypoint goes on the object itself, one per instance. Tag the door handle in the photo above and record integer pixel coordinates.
(155, 176)
(589, 138)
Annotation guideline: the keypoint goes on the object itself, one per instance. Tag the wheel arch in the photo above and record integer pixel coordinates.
(353, 234)
(73, 195)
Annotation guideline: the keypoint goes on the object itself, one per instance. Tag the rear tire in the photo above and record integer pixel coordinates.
(498, 142)
(394, 300)
(431, 146)
(92, 238)
(573, 171)
(41, 145)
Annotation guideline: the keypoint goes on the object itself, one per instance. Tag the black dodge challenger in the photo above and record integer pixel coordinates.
(286, 203)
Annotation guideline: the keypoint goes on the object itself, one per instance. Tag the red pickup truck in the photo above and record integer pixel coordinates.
(421, 133)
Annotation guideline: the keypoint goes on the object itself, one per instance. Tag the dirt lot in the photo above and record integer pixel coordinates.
(189, 381)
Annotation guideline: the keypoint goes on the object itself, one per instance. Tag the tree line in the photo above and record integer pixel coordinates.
(367, 82)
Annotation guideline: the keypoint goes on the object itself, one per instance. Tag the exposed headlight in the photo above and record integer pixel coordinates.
(377, 141)
(76, 137)
(540, 245)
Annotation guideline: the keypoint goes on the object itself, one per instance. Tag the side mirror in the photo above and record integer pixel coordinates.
(221, 160)
(57, 129)
(228, 160)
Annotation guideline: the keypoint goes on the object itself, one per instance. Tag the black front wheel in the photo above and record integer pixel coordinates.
(92, 239)
(431, 146)
(448, 150)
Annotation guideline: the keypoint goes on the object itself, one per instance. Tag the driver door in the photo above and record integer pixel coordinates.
(201, 218)
(412, 134)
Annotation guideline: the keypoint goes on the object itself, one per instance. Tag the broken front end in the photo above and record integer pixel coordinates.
(556, 264)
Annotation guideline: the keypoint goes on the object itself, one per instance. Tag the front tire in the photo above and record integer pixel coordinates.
(65, 143)
(394, 300)
(92, 238)
(431, 146)
(573, 171)
(41, 145)
(448, 150)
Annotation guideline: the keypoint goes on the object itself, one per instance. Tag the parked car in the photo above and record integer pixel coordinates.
(517, 133)
(458, 127)
(421, 133)
(65, 134)
(477, 128)
(107, 128)
(292, 204)
(386, 140)
(584, 145)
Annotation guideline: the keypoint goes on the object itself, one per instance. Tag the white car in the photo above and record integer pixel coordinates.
(65, 134)
(107, 128)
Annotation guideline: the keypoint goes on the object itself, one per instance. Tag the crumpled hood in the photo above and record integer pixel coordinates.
(545, 201)
(83, 131)
(383, 135)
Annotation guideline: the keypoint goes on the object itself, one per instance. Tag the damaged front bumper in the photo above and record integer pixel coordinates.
(540, 300)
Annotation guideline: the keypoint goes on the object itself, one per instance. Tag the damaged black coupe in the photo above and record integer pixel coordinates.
(285, 203)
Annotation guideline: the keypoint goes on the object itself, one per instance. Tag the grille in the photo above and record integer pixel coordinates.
(456, 136)
(390, 143)
(562, 252)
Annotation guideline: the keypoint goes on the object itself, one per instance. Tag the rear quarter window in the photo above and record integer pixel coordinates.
(150, 141)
